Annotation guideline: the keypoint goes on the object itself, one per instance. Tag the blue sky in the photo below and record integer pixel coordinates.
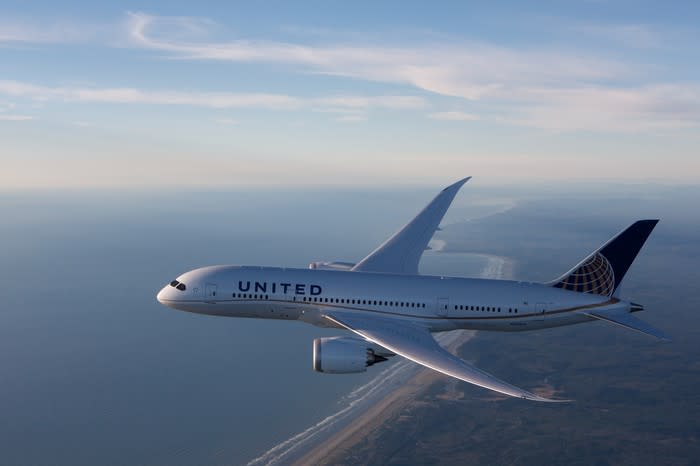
(345, 93)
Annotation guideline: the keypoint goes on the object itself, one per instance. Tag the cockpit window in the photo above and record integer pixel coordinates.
(178, 285)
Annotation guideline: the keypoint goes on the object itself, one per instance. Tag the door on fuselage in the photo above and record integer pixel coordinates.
(211, 291)
(541, 311)
(443, 305)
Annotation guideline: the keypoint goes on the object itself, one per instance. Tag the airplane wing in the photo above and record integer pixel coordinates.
(417, 344)
(402, 251)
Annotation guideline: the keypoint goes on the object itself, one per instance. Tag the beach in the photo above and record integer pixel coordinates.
(368, 407)
(375, 417)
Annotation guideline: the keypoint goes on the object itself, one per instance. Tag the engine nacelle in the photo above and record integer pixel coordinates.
(323, 265)
(346, 355)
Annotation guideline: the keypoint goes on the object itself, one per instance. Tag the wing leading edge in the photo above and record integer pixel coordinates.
(417, 344)
(403, 250)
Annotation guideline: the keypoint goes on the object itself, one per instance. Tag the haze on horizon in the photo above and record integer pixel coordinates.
(164, 95)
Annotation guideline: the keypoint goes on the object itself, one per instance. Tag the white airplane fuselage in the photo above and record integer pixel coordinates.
(391, 309)
(437, 303)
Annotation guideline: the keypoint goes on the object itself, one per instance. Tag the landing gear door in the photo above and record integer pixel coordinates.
(443, 304)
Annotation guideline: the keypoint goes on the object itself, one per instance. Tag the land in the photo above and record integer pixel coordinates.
(372, 420)
(636, 399)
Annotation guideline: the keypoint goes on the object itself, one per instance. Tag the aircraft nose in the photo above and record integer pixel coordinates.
(167, 295)
(161, 295)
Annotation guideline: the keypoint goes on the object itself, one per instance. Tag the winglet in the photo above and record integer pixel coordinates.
(403, 250)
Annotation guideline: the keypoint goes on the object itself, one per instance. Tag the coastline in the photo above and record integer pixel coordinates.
(382, 410)
(371, 405)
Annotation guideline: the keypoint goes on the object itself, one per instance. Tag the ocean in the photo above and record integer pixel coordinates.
(94, 371)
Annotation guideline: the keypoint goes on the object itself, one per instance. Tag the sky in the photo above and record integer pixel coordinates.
(159, 94)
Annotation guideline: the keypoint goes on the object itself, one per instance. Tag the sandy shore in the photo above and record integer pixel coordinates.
(379, 401)
(376, 416)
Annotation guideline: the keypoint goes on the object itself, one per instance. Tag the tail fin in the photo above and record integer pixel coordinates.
(603, 270)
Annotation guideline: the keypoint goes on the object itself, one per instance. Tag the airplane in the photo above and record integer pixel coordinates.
(392, 310)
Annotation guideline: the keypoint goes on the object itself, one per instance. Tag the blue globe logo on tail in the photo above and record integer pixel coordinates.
(602, 272)
(595, 276)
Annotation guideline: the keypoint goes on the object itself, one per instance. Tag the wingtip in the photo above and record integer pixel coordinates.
(458, 184)
(557, 400)
(533, 397)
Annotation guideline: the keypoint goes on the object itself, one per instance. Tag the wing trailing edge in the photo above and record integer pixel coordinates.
(415, 343)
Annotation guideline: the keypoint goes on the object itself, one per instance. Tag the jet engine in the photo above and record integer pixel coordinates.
(346, 355)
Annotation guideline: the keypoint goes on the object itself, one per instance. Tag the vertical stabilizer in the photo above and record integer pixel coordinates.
(602, 271)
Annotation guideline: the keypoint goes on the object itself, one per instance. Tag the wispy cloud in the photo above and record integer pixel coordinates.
(541, 87)
(138, 96)
(82, 124)
(352, 118)
(467, 70)
(227, 121)
(23, 31)
(538, 87)
(608, 109)
(453, 116)
(217, 100)
(7, 117)
(365, 102)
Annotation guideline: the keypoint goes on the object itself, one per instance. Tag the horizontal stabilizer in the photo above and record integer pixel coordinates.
(629, 321)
